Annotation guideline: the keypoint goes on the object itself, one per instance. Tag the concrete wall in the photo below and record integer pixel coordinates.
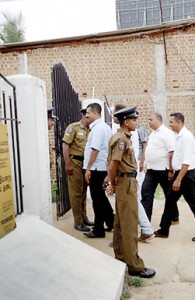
(129, 68)
(34, 146)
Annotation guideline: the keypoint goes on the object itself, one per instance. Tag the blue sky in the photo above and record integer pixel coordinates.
(50, 19)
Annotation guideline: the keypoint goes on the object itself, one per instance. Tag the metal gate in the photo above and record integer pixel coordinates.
(9, 117)
(67, 110)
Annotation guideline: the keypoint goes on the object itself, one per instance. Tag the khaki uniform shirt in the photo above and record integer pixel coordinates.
(121, 149)
(76, 137)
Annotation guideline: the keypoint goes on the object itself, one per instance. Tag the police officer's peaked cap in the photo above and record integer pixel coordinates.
(126, 113)
(83, 111)
(50, 113)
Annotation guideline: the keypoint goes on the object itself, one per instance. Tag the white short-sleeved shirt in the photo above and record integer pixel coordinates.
(135, 143)
(184, 150)
(160, 142)
(98, 139)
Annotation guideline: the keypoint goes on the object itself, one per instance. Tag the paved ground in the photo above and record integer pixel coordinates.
(172, 258)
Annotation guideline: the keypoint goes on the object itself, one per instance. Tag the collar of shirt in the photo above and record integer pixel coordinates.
(182, 131)
(95, 122)
(82, 126)
(160, 128)
(128, 134)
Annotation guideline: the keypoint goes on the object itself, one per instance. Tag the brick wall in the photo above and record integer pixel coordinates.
(126, 68)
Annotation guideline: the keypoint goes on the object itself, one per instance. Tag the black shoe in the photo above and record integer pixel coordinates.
(160, 235)
(89, 223)
(82, 227)
(93, 235)
(145, 273)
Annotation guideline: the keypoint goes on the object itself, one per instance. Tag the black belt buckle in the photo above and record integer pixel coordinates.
(77, 157)
(129, 174)
(132, 174)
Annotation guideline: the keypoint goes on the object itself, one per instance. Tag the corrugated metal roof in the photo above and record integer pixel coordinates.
(97, 36)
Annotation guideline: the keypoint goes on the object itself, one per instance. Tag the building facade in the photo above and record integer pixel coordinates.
(138, 13)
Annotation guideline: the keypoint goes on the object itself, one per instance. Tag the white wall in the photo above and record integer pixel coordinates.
(34, 145)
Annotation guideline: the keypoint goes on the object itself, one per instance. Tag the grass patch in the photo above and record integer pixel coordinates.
(130, 282)
(125, 295)
(136, 282)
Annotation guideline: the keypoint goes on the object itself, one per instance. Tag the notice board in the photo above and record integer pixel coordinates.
(7, 212)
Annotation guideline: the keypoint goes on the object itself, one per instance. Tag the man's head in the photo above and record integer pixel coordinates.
(155, 120)
(127, 117)
(176, 121)
(84, 119)
(51, 118)
(117, 107)
(93, 112)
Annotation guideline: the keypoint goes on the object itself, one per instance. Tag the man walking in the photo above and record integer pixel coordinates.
(95, 158)
(158, 156)
(137, 138)
(183, 182)
(122, 174)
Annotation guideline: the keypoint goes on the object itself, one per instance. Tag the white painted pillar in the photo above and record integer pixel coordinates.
(159, 96)
(34, 145)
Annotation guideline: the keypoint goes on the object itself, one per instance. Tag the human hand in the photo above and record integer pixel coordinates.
(110, 190)
(176, 185)
(88, 176)
(69, 169)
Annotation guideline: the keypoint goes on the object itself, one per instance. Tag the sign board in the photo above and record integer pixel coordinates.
(7, 213)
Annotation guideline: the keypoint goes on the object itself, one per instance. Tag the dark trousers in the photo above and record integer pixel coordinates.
(151, 180)
(102, 208)
(187, 189)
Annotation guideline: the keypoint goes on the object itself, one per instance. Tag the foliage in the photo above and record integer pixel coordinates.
(53, 191)
(137, 282)
(12, 30)
(125, 295)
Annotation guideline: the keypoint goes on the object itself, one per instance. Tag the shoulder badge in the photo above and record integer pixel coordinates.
(121, 145)
(69, 130)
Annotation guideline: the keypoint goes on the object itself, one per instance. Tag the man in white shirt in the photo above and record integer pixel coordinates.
(158, 157)
(183, 182)
(95, 164)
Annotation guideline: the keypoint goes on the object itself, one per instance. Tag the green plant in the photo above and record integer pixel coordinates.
(125, 295)
(11, 29)
(53, 191)
(136, 282)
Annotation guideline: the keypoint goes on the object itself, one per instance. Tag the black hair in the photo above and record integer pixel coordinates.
(178, 116)
(119, 106)
(95, 107)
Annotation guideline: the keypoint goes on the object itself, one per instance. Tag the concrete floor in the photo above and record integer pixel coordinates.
(40, 262)
(172, 258)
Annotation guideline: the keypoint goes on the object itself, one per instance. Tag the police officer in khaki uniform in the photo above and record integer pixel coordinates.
(74, 142)
(122, 175)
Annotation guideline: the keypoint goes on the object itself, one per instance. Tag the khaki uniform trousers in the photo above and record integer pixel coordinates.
(77, 189)
(126, 224)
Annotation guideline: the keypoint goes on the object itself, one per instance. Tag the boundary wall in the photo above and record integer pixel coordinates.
(127, 66)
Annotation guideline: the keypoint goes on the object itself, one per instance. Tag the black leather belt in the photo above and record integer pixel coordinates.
(131, 174)
(77, 157)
